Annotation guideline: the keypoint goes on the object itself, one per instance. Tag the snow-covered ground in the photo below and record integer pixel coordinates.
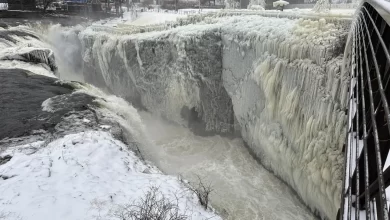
(86, 175)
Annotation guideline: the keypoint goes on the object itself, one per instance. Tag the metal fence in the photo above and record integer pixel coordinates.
(367, 170)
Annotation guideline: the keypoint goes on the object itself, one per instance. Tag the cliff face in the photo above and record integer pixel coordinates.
(276, 81)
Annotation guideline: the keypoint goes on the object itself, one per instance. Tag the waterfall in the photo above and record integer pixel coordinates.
(277, 81)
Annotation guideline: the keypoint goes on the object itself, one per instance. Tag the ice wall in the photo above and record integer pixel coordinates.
(278, 81)
(173, 74)
(288, 95)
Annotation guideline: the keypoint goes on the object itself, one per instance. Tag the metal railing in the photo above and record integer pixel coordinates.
(367, 170)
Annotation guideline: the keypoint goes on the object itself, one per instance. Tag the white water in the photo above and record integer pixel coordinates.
(243, 189)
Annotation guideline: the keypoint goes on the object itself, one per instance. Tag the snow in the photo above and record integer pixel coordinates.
(387, 190)
(256, 7)
(38, 69)
(351, 144)
(148, 18)
(83, 176)
(140, 19)
(3, 6)
(280, 3)
(196, 10)
(136, 22)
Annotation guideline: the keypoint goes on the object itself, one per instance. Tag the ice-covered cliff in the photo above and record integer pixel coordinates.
(277, 81)
(288, 96)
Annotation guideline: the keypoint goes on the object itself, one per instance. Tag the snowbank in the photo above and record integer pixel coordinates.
(86, 175)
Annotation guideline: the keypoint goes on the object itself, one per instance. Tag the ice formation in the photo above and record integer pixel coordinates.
(277, 81)
(20, 47)
(297, 115)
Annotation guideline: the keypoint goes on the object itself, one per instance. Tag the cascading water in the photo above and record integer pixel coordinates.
(243, 189)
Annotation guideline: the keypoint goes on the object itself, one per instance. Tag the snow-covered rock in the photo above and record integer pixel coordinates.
(21, 47)
(30, 54)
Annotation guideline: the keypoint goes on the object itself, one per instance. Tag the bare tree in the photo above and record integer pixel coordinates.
(202, 191)
(153, 206)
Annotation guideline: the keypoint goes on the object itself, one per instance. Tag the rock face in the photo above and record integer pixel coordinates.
(277, 81)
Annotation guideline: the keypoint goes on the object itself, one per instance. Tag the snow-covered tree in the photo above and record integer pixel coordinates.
(280, 4)
(231, 4)
(254, 4)
(322, 5)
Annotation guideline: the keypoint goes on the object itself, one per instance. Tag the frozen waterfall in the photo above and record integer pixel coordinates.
(276, 81)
